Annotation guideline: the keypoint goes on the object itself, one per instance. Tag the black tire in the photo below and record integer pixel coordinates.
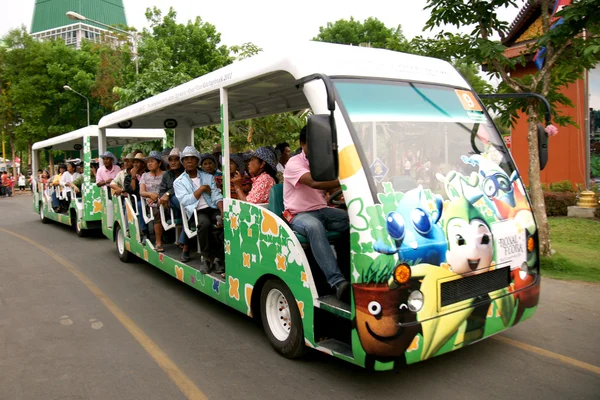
(293, 346)
(42, 216)
(120, 242)
(80, 232)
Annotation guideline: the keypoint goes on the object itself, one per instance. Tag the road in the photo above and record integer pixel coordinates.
(76, 323)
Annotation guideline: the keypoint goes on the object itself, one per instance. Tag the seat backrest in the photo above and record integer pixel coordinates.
(276, 200)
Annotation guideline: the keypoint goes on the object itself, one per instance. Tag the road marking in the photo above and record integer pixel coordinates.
(185, 384)
(549, 354)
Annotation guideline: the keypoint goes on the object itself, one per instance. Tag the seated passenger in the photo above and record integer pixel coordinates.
(55, 183)
(132, 187)
(117, 184)
(149, 186)
(310, 216)
(284, 155)
(236, 163)
(196, 191)
(208, 163)
(263, 169)
(108, 171)
(66, 182)
(166, 190)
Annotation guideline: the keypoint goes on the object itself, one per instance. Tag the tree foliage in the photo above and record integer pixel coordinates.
(371, 32)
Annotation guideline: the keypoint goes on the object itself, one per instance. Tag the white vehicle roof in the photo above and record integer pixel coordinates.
(266, 83)
(114, 138)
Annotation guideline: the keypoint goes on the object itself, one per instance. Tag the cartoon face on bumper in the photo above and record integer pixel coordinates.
(380, 315)
(470, 246)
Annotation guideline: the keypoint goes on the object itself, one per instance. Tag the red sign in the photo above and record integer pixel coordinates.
(507, 140)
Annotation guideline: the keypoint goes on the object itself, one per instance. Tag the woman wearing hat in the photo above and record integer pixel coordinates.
(236, 164)
(149, 187)
(208, 163)
(263, 169)
(132, 186)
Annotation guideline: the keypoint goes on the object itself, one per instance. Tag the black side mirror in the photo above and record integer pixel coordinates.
(542, 145)
(322, 147)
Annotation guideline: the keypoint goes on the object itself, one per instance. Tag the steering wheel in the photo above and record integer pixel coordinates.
(334, 196)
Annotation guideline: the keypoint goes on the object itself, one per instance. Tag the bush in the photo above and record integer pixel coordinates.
(562, 186)
(595, 165)
(557, 202)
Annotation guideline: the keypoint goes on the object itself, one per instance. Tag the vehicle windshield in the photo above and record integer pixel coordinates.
(413, 134)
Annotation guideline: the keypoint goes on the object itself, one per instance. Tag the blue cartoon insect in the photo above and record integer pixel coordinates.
(414, 229)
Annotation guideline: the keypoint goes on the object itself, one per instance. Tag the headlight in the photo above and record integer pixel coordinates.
(415, 301)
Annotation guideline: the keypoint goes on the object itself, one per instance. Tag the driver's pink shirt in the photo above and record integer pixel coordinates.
(298, 197)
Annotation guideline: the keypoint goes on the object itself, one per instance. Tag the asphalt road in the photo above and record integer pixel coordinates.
(140, 334)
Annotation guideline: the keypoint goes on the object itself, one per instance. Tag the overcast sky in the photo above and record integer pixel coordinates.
(266, 23)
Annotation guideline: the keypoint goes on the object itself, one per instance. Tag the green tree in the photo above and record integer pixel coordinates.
(564, 43)
(371, 32)
(171, 54)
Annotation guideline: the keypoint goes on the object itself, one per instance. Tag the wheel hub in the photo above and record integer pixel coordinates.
(278, 315)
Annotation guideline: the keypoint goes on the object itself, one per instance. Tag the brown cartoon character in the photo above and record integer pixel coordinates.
(382, 312)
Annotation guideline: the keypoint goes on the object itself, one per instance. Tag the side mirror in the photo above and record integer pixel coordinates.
(542, 145)
(322, 147)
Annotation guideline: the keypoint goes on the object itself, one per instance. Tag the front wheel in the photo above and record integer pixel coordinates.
(120, 241)
(281, 319)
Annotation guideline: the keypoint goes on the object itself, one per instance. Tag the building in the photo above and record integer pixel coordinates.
(50, 20)
(569, 151)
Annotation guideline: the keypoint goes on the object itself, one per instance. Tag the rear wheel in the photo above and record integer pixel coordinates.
(75, 223)
(281, 319)
(42, 216)
(120, 241)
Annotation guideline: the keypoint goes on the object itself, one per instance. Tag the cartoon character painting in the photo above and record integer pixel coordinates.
(470, 240)
(385, 324)
(415, 230)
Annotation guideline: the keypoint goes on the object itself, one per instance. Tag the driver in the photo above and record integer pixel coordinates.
(308, 214)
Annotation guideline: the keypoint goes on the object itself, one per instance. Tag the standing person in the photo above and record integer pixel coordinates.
(166, 190)
(263, 169)
(308, 214)
(149, 187)
(11, 184)
(108, 171)
(197, 192)
(21, 182)
(4, 185)
(132, 186)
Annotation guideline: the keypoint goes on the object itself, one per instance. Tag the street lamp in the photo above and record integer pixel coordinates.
(78, 17)
(67, 87)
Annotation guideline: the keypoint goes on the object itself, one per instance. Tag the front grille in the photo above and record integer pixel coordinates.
(474, 285)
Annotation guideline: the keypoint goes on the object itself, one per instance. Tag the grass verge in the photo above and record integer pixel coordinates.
(577, 245)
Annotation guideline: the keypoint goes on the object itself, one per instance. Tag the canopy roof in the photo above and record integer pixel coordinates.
(266, 84)
(114, 138)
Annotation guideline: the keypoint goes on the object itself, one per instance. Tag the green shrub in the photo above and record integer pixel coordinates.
(595, 165)
(562, 186)
(557, 202)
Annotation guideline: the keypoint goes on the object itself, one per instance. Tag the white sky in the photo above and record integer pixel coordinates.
(266, 23)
